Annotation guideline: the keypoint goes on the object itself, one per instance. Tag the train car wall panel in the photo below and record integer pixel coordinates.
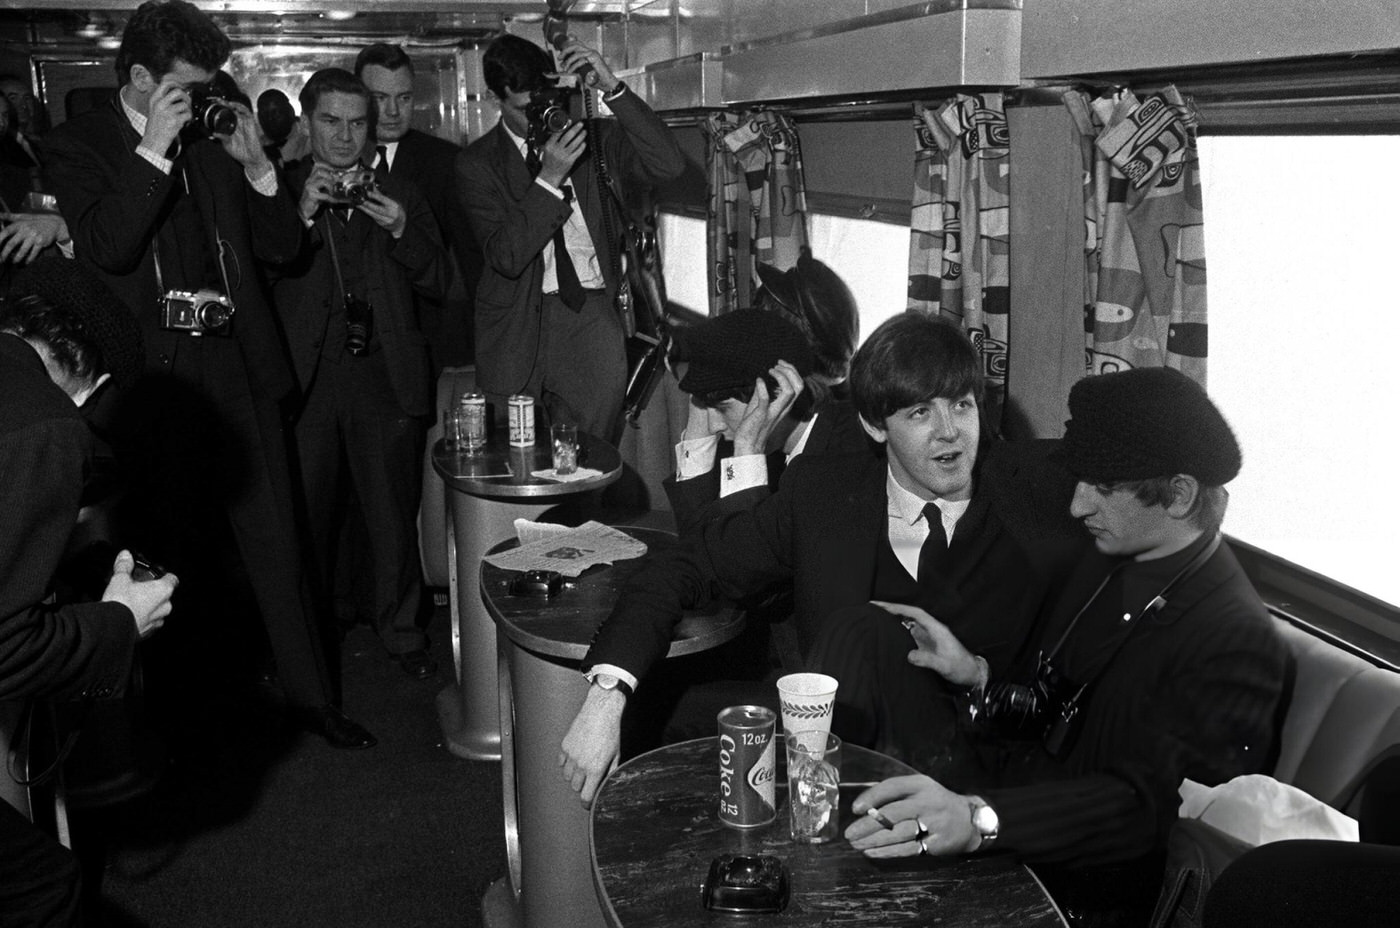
(691, 82)
(957, 48)
(1068, 37)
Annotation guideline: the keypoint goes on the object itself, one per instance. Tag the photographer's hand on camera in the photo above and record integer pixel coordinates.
(561, 152)
(244, 144)
(937, 648)
(388, 214)
(148, 600)
(169, 112)
(318, 190)
(588, 64)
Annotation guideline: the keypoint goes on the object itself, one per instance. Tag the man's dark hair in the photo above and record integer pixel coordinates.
(161, 31)
(512, 64)
(334, 80)
(912, 358)
(1207, 510)
(389, 57)
(34, 318)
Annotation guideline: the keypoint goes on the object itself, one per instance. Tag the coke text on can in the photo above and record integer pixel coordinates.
(746, 766)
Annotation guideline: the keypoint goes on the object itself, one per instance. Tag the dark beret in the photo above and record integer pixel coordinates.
(1145, 423)
(105, 319)
(732, 351)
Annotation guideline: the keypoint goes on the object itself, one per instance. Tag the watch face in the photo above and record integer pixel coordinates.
(986, 821)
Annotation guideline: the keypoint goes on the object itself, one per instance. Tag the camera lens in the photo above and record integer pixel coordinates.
(213, 315)
(556, 119)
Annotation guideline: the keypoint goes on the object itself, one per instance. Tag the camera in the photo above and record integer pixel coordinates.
(548, 113)
(199, 312)
(1047, 708)
(144, 569)
(359, 325)
(212, 114)
(353, 187)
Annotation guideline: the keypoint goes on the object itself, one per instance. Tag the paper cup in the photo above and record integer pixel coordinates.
(806, 700)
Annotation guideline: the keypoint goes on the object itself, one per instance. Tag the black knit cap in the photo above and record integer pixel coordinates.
(106, 321)
(1145, 423)
(730, 352)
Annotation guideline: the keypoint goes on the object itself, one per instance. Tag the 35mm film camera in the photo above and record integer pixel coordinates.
(353, 187)
(198, 312)
(212, 114)
(548, 113)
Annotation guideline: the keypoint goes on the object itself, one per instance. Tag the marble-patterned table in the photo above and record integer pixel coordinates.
(654, 833)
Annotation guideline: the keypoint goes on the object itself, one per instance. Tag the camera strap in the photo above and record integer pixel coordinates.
(335, 259)
(1153, 607)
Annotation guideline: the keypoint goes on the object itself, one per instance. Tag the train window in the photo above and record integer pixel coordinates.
(871, 257)
(1304, 317)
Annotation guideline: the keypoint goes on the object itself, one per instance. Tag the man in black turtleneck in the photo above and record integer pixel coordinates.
(1174, 659)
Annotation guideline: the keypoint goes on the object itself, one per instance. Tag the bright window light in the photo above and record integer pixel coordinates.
(1301, 252)
(871, 257)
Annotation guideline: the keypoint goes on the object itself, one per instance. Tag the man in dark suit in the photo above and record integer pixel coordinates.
(966, 528)
(546, 323)
(413, 156)
(347, 309)
(1157, 663)
(62, 336)
(179, 224)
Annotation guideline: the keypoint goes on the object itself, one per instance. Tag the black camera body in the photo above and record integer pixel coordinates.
(198, 312)
(212, 114)
(359, 325)
(1047, 708)
(353, 187)
(548, 112)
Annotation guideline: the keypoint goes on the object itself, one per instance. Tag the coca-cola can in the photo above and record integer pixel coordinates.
(746, 766)
(521, 409)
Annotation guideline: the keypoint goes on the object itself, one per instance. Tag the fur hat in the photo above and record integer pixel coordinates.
(730, 352)
(104, 318)
(1145, 423)
(820, 304)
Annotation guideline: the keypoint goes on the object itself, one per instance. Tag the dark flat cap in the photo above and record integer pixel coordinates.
(1145, 423)
(105, 319)
(732, 351)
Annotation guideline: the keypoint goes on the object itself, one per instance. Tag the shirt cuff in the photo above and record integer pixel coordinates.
(742, 473)
(550, 187)
(616, 92)
(267, 184)
(159, 161)
(613, 669)
(695, 457)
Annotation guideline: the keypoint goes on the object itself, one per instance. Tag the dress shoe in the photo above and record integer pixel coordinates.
(339, 730)
(418, 664)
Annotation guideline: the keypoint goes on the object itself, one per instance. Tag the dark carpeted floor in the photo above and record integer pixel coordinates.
(254, 823)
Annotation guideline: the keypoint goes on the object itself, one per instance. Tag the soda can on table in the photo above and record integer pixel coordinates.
(522, 420)
(747, 757)
(474, 411)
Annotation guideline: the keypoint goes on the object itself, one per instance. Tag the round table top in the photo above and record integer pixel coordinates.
(563, 625)
(655, 830)
(502, 470)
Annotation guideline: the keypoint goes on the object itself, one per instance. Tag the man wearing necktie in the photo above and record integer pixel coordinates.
(413, 156)
(546, 321)
(347, 306)
(848, 531)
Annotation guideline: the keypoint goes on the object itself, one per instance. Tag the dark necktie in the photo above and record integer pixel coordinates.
(935, 549)
(570, 289)
(381, 163)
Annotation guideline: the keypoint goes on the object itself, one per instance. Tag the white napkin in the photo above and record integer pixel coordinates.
(583, 473)
(1258, 809)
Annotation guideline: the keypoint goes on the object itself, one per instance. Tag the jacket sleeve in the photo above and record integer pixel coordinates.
(644, 149)
(511, 232)
(277, 230)
(111, 217)
(1215, 718)
(420, 249)
(48, 650)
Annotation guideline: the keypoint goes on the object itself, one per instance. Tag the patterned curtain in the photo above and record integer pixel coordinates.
(959, 229)
(1145, 299)
(755, 166)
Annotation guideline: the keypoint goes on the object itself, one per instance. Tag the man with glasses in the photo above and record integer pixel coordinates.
(172, 201)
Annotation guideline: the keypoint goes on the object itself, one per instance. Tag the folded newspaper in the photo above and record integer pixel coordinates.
(570, 551)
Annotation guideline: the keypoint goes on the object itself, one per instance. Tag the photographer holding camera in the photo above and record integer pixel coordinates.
(1157, 662)
(62, 336)
(546, 323)
(347, 307)
(171, 200)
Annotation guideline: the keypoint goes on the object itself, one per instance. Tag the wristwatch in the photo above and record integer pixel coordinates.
(984, 819)
(606, 681)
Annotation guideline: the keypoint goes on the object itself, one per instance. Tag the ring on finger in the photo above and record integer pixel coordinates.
(922, 832)
(923, 848)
